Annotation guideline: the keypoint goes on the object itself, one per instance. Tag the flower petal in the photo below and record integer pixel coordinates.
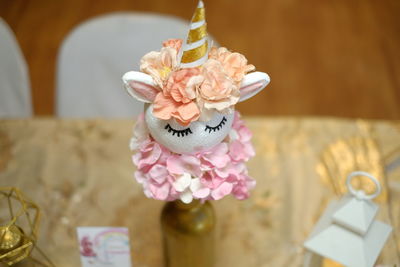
(195, 184)
(163, 106)
(158, 173)
(182, 182)
(221, 191)
(202, 193)
(186, 197)
(179, 164)
(160, 192)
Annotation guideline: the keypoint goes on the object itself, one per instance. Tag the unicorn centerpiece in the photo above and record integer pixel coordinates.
(190, 143)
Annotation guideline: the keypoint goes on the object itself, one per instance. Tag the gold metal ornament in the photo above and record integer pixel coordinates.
(19, 223)
(345, 155)
(189, 234)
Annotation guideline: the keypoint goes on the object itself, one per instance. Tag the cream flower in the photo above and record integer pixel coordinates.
(234, 64)
(189, 187)
(218, 91)
(159, 64)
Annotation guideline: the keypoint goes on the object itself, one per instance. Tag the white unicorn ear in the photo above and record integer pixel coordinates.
(140, 86)
(252, 84)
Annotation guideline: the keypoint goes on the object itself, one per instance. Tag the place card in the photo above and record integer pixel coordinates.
(104, 246)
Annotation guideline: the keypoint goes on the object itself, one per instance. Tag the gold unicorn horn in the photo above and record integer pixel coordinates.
(194, 51)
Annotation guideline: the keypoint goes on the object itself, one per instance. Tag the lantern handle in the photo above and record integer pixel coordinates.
(360, 194)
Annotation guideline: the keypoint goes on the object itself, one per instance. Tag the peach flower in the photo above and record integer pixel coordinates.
(173, 43)
(235, 64)
(177, 98)
(159, 64)
(218, 91)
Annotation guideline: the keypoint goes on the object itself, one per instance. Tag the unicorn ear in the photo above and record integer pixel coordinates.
(252, 84)
(140, 86)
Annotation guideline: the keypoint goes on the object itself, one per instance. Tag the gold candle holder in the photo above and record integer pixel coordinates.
(19, 229)
(188, 234)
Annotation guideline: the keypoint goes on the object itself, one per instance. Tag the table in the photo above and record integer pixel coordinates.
(80, 173)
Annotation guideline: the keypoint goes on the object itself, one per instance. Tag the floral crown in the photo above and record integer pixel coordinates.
(192, 80)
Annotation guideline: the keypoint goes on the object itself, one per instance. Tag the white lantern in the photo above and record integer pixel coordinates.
(347, 232)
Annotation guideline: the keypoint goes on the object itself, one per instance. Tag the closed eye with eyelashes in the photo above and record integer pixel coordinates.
(216, 128)
(187, 131)
(179, 133)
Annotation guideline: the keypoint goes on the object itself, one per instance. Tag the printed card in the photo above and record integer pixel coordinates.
(104, 246)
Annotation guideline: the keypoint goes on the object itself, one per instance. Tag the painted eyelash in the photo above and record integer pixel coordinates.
(216, 128)
(179, 133)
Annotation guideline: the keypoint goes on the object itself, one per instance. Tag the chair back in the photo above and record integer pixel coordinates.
(98, 52)
(15, 92)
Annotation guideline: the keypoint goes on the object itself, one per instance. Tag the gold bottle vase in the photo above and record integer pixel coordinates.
(188, 234)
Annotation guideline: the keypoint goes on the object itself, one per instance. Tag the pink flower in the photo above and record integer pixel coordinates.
(158, 173)
(159, 64)
(233, 169)
(221, 191)
(216, 157)
(140, 133)
(180, 164)
(240, 151)
(240, 147)
(242, 188)
(173, 43)
(160, 192)
(150, 152)
(234, 64)
(211, 180)
(218, 91)
(177, 99)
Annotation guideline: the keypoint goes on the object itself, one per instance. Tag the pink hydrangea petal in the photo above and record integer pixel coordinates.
(227, 170)
(218, 155)
(210, 180)
(149, 157)
(160, 192)
(140, 177)
(179, 164)
(158, 173)
(221, 191)
(249, 150)
(145, 146)
(202, 193)
(236, 151)
(245, 134)
(223, 173)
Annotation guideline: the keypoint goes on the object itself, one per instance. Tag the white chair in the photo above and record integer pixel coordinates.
(98, 52)
(15, 93)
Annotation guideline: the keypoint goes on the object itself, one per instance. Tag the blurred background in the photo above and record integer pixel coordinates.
(325, 58)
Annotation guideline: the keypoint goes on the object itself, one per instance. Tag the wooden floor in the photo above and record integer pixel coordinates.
(336, 58)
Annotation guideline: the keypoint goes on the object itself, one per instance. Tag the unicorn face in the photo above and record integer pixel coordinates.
(195, 137)
(198, 135)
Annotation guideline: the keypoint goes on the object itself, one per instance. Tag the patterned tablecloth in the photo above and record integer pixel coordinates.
(80, 173)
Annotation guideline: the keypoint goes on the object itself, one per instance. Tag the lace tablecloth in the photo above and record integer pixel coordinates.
(80, 173)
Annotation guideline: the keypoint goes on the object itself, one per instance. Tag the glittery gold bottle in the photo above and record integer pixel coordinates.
(189, 234)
